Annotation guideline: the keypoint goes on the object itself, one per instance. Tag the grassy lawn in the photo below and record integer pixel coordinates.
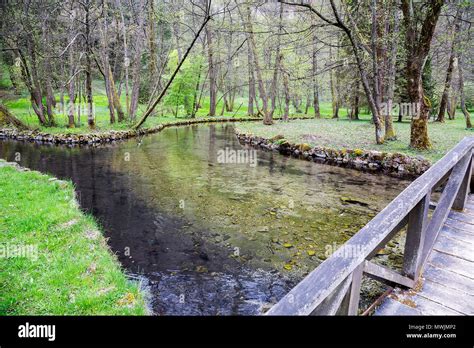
(69, 269)
(342, 133)
(20, 106)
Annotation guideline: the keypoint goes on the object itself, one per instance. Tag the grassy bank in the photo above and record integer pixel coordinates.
(345, 134)
(20, 106)
(53, 258)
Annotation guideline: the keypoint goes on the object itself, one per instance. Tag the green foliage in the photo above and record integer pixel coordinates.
(4, 76)
(182, 90)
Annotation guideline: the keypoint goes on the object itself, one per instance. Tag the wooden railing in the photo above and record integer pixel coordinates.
(334, 286)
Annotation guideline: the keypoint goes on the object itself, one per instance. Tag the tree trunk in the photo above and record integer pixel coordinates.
(90, 106)
(136, 73)
(229, 76)
(106, 65)
(195, 94)
(276, 68)
(7, 118)
(334, 96)
(46, 74)
(389, 130)
(251, 91)
(126, 62)
(308, 103)
(449, 71)
(287, 96)
(467, 116)
(317, 113)
(115, 97)
(30, 77)
(267, 117)
(355, 102)
(212, 73)
(71, 90)
(418, 46)
(452, 104)
(153, 67)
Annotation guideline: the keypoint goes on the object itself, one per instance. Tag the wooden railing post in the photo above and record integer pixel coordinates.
(354, 291)
(461, 197)
(472, 177)
(417, 221)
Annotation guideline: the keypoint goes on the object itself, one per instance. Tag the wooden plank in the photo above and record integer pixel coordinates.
(444, 204)
(386, 275)
(452, 264)
(468, 209)
(331, 304)
(462, 195)
(354, 296)
(459, 225)
(449, 279)
(461, 235)
(466, 218)
(455, 248)
(450, 298)
(392, 307)
(415, 237)
(423, 305)
(469, 206)
(428, 307)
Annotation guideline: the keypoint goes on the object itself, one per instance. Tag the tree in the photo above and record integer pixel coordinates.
(449, 70)
(417, 44)
(172, 77)
(182, 90)
(212, 70)
(358, 48)
(394, 28)
(136, 68)
(267, 117)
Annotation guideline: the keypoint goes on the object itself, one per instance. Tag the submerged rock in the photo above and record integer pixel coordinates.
(354, 201)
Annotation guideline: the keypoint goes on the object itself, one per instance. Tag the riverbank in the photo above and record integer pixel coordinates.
(345, 134)
(104, 136)
(393, 164)
(72, 138)
(54, 258)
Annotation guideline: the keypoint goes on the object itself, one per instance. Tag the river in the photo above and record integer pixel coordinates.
(212, 238)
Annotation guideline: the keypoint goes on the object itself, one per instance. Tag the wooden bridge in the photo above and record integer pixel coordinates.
(436, 212)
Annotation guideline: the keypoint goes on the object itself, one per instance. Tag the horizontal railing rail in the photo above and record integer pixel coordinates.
(334, 286)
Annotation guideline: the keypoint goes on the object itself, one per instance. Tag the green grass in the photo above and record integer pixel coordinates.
(342, 133)
(75, 272)
(5, 81)
(20, 106)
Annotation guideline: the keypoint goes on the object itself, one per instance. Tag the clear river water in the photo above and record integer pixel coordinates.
(212, 238)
